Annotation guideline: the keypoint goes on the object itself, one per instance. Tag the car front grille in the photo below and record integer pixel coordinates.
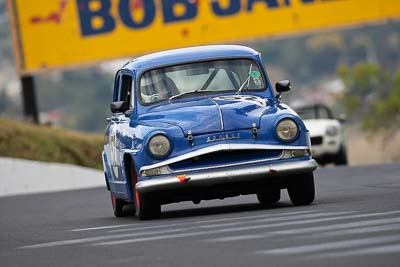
(226, 158)
(316, 140)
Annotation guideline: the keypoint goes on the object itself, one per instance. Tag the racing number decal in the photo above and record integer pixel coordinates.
(114, 146)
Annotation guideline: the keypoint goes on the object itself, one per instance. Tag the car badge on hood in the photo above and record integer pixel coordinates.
(222, 137)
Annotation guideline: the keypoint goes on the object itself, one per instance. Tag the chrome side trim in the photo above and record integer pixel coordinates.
(216, 148)
(240, 174)
(308, 139)
(220, 114)
(103, 157)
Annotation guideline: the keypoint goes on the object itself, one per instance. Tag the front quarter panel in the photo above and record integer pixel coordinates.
(133, 139)
(272, 117)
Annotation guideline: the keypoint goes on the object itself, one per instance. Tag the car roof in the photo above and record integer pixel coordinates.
(315, 107)
(311, 106)
(176, 56)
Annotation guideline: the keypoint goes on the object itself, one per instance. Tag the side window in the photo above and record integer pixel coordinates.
(323, 113)
(125, 89)
(116, 87)
(122, 88)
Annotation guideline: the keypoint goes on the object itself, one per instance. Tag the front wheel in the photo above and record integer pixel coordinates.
(301, 189)
(341, 157)
(269, 197)
(147, 207)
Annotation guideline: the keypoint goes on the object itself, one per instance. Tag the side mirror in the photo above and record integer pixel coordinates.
(283, 86)
(119, 107)
(342, 118)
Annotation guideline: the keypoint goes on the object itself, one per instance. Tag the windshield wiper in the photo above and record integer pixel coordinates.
(189, 92)
(246, 81)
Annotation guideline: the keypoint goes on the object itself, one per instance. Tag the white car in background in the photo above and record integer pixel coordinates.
(327, 138)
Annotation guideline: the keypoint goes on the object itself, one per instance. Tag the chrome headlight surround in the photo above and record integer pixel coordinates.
(287, 130)
(159, 146)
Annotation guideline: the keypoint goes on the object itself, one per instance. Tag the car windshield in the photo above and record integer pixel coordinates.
(314, 112)
(201, 77)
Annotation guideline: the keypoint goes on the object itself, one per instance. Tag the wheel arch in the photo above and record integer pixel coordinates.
(107, 184)
(106, 170)
(129, 168)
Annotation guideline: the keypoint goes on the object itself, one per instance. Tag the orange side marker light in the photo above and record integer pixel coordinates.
(183, 178)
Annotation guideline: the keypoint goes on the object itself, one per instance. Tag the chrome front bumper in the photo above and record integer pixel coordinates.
(239, 174)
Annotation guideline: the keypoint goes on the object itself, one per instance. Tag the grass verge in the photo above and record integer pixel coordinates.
(43, 143)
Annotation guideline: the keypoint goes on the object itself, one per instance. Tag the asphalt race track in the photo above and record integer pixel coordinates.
(355, 221)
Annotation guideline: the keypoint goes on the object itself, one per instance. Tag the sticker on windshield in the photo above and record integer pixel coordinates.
(257, 81)
(255, 74)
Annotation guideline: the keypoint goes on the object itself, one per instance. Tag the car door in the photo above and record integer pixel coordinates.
(118, 122)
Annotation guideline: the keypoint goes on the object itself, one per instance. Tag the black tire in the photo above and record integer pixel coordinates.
(147, 207)
(118, 207)
(301, 189)
(341, 157)
(269, 197)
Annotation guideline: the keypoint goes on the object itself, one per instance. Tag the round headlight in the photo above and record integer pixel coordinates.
(159, 146)
(332, 131)
(287, 129)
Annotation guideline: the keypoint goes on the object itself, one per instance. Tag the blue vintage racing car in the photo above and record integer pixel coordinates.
(202, 123)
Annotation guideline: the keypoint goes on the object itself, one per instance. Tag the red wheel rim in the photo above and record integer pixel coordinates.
(137, 200)
(114, 201)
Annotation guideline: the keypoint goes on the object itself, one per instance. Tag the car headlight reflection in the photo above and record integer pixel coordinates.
(159, 146)
(287, 130)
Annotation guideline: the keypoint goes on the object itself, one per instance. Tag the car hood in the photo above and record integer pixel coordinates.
(241, 111)
(210, 115)
(317, 127)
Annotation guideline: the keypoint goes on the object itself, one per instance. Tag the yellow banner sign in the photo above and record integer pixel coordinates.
(60, 33)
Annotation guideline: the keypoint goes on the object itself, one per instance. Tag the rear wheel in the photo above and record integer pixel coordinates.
(270, 196)
(301, 189)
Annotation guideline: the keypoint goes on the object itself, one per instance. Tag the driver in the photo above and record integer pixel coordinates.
(155, 87)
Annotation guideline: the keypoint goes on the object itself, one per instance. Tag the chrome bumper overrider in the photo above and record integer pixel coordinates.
(212, 177)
